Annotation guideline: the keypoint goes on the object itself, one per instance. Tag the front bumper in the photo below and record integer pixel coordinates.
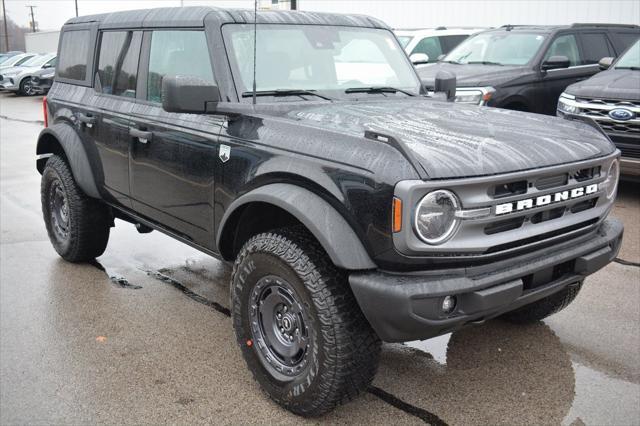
(405, 307)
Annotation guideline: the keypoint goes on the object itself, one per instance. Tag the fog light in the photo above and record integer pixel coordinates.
(448, 304)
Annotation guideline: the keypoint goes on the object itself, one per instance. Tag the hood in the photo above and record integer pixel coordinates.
(17, 70)
(452, 140)
(614, 84)
(472, 75)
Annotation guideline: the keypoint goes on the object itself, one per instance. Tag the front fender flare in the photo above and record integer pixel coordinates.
(74, 151)
(328, 226)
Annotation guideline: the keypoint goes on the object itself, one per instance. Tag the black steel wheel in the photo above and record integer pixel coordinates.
(299, 327)
(280, 326)
(78, 225)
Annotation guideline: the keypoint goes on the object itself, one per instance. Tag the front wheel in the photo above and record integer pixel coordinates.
(26, 87)
(298, 325)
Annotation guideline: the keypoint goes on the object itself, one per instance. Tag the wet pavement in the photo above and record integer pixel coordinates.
(143, 335)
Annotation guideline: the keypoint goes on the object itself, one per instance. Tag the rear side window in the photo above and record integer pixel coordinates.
(118, 63)
(74, 53)
(177, 53)
(595, 47)
(429, 46)
(449, 42)
(565, 45)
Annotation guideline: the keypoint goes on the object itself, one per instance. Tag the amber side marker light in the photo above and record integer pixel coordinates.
(397, 215)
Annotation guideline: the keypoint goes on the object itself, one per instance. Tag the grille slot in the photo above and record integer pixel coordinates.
(629, 150)
(584, 205)
(505, 225)
(547, 215)
(509, 189)
(586, 174)
(548, 182)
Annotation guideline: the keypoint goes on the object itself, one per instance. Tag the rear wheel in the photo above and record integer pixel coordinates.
(541, 309)
(78, 225)
(299, 327)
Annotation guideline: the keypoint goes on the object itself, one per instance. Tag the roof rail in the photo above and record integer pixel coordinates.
(586, 24)
(441, 28)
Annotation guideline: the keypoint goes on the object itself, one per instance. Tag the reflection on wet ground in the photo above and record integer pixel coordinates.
(488, 374)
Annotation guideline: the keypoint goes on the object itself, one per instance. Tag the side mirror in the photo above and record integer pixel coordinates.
(184, 93)
(605, 63)
(556, 62)
(446, 83)
(419, 58)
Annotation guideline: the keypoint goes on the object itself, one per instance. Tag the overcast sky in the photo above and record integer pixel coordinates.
(51, 14)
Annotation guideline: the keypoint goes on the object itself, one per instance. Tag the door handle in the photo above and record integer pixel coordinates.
(142, 135)
(88, 119)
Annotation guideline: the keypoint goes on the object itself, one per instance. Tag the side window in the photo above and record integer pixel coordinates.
(176, 53)
(430, 46)
(118, 63)
(595, 47)
(565, 45)
(74, 53)
(449, 42)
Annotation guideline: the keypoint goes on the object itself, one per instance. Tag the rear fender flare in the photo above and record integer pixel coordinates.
(67, 138)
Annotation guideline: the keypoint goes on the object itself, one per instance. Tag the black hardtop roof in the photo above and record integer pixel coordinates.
(551, 28)
(195, 17)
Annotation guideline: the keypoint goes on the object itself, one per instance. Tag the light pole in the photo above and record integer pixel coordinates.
(33, 19)
(76, 8)
(6, 33)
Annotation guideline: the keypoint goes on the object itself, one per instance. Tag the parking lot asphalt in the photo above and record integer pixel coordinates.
(143, 334)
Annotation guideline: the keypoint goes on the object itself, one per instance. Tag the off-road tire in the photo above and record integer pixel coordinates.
(89, 220)
(346, 350)
(541, 309)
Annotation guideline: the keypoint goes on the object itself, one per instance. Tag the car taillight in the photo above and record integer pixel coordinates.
(44, 111)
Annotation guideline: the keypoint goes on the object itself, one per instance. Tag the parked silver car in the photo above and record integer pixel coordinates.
(16, 60)
(18, 79)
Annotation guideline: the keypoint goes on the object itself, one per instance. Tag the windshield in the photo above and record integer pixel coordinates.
(404, 40)
(37, 61)
(631, 59)
(318, 58)
(3, 58)
(501, 48)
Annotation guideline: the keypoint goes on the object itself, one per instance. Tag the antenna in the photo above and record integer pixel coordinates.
(255, 38)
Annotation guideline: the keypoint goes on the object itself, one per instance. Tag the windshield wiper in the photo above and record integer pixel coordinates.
(484, 62)
(286, 92)
(627, 68)
(451, 62)
(377, 89)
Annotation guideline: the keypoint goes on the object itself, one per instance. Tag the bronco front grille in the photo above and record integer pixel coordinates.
(514, 212)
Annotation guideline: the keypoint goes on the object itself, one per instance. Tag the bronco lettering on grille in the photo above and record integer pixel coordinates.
(543, 200)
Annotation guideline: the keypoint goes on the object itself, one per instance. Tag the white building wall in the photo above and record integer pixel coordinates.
(42, 42)
(487, 13)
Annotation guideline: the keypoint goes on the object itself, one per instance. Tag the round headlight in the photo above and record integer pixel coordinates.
(611, 182)
(436, 220)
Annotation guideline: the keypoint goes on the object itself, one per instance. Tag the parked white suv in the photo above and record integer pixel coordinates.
(425, 45)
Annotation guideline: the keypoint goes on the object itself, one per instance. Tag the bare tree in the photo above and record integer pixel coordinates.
(16, 36)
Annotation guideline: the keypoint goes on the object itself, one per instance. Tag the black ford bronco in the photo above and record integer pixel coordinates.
(303, 148)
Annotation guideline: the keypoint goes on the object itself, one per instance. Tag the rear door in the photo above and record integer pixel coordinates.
(115, 87)
(173, 165)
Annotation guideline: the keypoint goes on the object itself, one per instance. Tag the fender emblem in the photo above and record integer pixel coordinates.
(224, 153)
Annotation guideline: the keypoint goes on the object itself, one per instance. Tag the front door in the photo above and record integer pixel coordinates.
(174, 156)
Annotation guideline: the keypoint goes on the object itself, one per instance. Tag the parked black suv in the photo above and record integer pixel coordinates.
(355, 208)
(612, 99)
(526, 68)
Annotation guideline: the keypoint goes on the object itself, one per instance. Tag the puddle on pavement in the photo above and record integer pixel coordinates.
(485, 374)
